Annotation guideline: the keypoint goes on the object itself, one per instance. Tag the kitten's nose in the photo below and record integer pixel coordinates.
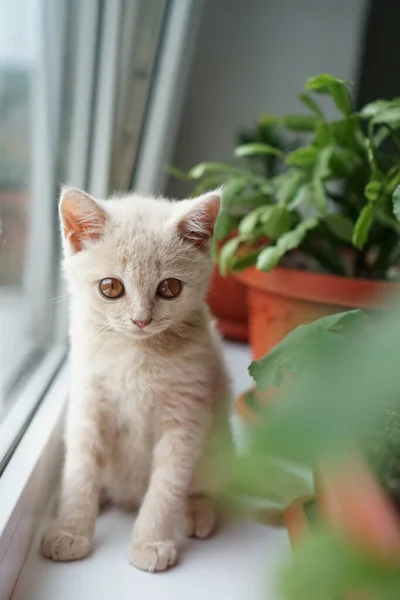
(141, 324)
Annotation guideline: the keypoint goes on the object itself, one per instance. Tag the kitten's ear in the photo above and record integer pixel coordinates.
(197, 223)
(82, 219)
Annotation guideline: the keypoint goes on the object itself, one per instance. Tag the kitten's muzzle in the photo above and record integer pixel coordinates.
(142, 324)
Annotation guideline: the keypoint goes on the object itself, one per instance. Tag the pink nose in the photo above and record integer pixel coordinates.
(142, 324)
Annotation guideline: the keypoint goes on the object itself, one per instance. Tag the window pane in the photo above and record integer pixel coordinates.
(27, 195)
(139, 44)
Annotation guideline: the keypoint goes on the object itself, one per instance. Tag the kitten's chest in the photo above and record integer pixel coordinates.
(136, 382)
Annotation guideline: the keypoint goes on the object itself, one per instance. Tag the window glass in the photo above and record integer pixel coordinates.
(31, 61)
(139, 45)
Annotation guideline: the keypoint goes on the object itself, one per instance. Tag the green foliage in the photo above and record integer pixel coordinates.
(293, 352)
(340, 393)
(270, 256)
(327, 566)
(341, 172)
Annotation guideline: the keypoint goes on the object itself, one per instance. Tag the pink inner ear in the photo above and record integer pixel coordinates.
(82, 218)
(197, 225)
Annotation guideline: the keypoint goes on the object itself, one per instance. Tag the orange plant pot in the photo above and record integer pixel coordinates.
(296, 521)
(227, 299)
(353, 504)
(281, 300)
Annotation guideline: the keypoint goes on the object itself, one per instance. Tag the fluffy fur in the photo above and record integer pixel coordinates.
(148, 406)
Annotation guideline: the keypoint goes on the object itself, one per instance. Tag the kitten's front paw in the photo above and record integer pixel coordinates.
(153, 556)
(201, 517)
(60, 543)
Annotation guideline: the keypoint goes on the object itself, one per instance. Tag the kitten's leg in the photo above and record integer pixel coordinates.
(88, 437)
(175, 457)
(201, 516)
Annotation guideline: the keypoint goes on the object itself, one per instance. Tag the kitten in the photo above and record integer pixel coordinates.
(149, 392)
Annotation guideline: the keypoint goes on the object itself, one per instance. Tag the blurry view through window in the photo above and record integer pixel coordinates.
(27, 196)
(17, 63)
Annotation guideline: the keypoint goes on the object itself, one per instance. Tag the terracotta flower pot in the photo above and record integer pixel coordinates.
(297, 520)
(355, 507)
(353, 503)
(281, 300)
(227, 299)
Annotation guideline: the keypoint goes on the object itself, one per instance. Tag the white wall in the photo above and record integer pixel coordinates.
(253, 56)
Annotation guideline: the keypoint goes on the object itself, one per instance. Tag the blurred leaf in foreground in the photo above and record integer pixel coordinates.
(343, 372)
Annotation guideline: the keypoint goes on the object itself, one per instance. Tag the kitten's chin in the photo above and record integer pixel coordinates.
(139, 334)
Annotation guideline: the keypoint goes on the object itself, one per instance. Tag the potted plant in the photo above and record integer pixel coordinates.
(338, 414)
(322, 232)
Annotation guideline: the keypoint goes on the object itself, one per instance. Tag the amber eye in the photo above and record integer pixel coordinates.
(111, 288)
(169, 288)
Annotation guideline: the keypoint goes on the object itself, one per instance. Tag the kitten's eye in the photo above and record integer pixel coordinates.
(169, 288)
(111, 288)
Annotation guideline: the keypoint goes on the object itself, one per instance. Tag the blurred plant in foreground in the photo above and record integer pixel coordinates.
(337, 396)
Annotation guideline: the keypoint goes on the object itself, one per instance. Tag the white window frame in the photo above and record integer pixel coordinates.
(31, 473)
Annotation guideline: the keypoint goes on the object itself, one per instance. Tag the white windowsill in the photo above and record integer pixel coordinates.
(239, 562)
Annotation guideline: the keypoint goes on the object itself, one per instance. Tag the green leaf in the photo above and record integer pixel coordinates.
(269, 257)
(372, 109)
(210, 167)
(317, 195)
(312, 105)
(345, 131)
(293, 238)
(393, 181)
(277, 221)
(227, 254)
(269, 120)
(363, 226)
(224, 225)
(249, 223)
(340, 226)
(289, 355)
(380, 136)
(299, 122)
(267, 188)
(343, 162)
(177, 173)
(387, 221)
(373, 190)
(321, 169)
(390, 115)
(233, 188)
(302, 196)
(302, 157)
(287, 185)
(341, 98)
(323, 134)
(254, 149)
(396, 202)
(337, 88)
(243, 262)
(248, 202)
(328, 565)
(322, 83)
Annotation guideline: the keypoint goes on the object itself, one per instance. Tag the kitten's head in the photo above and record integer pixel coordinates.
(137, 265)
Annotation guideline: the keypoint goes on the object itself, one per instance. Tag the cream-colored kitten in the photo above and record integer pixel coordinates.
(148, 401)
